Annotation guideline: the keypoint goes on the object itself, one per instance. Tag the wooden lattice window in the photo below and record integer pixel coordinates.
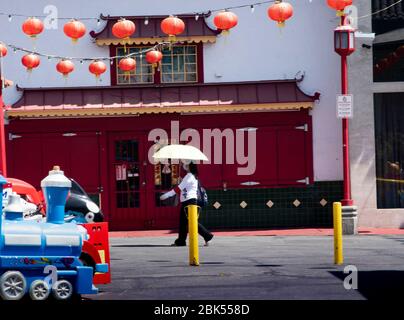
(179, 64)
(143, 72)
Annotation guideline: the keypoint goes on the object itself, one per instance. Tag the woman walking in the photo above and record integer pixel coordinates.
(188, 189)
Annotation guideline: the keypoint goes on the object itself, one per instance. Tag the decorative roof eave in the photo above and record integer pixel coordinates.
(231, 97)
(197, 30)
(110, 112)
(154, 40)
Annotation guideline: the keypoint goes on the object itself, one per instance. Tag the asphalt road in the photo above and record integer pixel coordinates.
(255, 267)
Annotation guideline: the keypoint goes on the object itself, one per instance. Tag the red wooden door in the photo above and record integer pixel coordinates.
(78, 155)
(31, 156)
(137, 183)
(24, 158)
(255, 160)
(281, 158)
(160, 178)
(127, 182)
(292, 156)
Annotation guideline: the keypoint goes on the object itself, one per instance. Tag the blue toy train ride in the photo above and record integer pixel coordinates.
(42, 258)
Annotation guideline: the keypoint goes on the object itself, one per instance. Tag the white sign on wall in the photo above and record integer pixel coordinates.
(345, 106)
(120, 172)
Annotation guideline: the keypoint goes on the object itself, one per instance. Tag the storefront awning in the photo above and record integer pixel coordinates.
(195, 98)
(196, 31)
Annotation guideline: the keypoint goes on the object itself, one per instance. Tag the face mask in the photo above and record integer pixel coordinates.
(186, 167)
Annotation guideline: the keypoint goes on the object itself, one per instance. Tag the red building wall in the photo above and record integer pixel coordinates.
(83, 148)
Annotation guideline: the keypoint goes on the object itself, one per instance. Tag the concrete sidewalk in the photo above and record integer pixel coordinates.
(255, 267)
(239, 233)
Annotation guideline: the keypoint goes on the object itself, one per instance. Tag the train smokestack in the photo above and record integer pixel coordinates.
(55, 188)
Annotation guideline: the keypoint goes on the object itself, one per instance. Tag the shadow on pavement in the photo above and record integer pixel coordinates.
(269, 265)
(382, 285)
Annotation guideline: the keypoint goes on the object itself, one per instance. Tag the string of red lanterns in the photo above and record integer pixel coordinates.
(225, 20)
(172, 26)
(97, 67)
(123, 29)
(390, 60)
(249, 5)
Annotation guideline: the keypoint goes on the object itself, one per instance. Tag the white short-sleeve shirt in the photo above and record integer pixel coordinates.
(188, 187)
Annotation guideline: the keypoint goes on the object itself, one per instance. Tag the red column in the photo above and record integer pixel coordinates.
(3, 164)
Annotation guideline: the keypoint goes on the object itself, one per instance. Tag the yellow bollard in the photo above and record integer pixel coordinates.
(193, 235)
(337, 213)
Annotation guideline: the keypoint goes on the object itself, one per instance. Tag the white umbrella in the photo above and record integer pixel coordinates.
(180, 151)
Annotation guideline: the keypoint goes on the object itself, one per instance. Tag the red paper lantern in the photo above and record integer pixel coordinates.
(3, 50)
(225, 20)
(393, 58)
(30, 61)
(400, 51)
(376, 69)
(127, 64)
(75, 30)
(65, 67)
(32, 27)
(280, 12)
(383, 64)
(123, 29)
(339, 5)
(97, 68)
(172, 26)
(154, 57)
(386, 62)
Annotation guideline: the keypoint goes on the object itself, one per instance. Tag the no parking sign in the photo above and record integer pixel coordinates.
(345, 106)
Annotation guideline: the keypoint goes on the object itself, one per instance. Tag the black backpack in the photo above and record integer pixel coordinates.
(202, 195)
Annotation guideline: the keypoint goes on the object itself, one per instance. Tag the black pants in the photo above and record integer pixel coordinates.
(183, 230)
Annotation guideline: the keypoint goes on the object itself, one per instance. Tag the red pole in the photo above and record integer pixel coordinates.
(3, 163)
(346, 201)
